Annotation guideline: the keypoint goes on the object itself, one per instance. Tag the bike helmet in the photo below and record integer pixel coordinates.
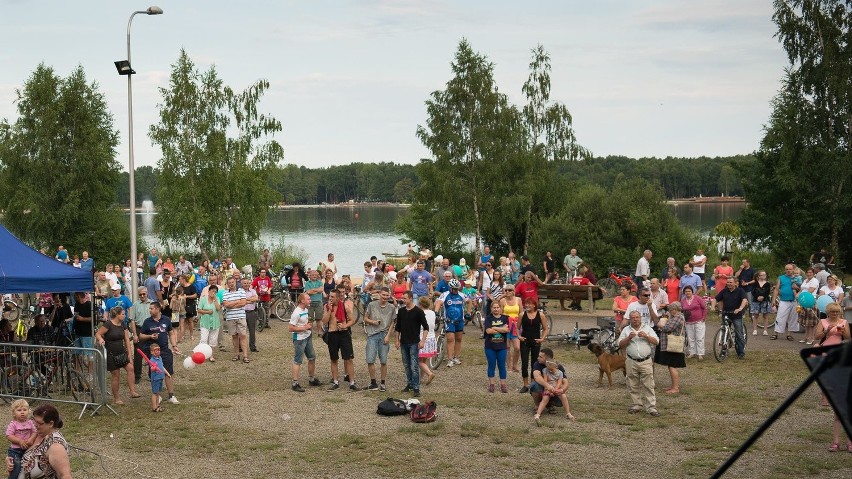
(454, 284)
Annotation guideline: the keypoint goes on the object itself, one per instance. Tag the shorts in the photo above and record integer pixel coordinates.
(156, 385)
(237, 326)
(538, 388)
(340, 341)
(760, 307)
(315, 311)
(191, 311)
(303, 347)
(455, 326)
(376, 347)
(700, 275)
(83, 342)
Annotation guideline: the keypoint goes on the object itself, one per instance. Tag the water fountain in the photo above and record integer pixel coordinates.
(147, 207)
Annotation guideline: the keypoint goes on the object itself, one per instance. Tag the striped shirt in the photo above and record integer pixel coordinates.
(234, 313)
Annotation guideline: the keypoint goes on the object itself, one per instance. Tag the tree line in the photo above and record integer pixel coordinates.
(394, 182)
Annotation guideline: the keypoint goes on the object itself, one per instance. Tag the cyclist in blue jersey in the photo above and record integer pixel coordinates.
(453, 302)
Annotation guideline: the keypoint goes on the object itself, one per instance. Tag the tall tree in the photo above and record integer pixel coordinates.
(802, 168)
(59, 167)
(217, 150)
(463, 132)
(550, 139)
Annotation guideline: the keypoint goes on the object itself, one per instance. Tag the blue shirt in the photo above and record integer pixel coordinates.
(160, 372)
(489, 258)
(163, 327)
(786, 291)
(420, 282)
(122, 301)
(690, 280)
(153, 286)
(87, 264)
(200, 284)
(152, 261)
(516, 271)
(453, 306)
(442, 286)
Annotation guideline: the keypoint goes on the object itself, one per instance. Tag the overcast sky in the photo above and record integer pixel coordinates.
(349, 78)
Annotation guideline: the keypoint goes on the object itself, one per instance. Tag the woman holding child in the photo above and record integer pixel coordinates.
(48, 456)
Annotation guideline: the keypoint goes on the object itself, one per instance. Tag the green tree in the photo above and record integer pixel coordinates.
(465, 132)
(217, 151)
(798, 187)
(59, 168)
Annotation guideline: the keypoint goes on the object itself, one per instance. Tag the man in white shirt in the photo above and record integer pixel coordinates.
(638, 341)
(643, 270)
(698, 263)
(303, 344)
(645, 307)
(329, 264)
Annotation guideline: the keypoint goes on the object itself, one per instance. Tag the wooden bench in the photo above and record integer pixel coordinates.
(571, 292)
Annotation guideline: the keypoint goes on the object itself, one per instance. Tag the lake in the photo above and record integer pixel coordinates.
(355, 233)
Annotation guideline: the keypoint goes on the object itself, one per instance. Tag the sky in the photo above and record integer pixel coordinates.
(349, 78)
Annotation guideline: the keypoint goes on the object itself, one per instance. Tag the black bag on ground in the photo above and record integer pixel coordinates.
(391, 407)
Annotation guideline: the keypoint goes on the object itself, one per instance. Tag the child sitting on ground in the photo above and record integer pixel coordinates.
(158, 375)
(557, 385)
(21, 432)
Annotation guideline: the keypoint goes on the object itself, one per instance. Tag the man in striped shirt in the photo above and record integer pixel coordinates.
(233, 302)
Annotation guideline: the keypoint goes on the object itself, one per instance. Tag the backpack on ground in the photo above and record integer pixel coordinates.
(391, 407)
(425, 412)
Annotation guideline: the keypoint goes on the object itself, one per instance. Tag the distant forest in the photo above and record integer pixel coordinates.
(393, 182)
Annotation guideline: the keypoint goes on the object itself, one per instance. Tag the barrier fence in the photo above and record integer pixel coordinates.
(54, 373)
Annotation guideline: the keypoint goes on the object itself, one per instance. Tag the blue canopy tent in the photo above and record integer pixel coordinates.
(25, 270)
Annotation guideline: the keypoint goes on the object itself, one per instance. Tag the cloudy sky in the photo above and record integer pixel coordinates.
(349, 78)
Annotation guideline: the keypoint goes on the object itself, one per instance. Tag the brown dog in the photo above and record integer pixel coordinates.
(607, 363)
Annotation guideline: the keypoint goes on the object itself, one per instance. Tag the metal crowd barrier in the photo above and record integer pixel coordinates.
(54, 373)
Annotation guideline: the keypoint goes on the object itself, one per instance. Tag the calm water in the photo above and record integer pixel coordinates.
(353, 234)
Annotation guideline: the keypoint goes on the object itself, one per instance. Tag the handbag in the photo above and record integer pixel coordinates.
(675, 342)
(120, 360)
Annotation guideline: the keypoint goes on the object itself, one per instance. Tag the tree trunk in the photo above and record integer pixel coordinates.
(527, 232)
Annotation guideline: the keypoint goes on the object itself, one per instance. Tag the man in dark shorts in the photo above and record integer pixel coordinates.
(158, 329)
(83, 330)
(338, 319)
(539, 382)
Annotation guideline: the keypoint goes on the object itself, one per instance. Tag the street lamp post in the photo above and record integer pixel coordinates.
(124, 68)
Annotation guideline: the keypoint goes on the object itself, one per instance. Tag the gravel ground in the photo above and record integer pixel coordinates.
(242, 420)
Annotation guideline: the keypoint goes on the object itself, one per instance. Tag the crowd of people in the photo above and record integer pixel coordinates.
(660, 318)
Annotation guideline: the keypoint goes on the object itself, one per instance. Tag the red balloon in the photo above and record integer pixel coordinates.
(198, 357)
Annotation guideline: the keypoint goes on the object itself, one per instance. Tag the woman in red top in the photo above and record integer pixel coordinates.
(721, 273)
(528, 289)
(399, 287)
(672, 285)
(620, 303)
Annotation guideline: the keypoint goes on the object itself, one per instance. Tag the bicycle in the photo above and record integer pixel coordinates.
(578, 337)
(39, 380)
(725, 339)
(441, 347)
(606, 337)
(475, 316)
(615, 280)
(542, 308)
(262, 317)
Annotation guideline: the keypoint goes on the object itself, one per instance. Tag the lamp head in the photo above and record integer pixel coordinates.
(154, 10)
(123, 67)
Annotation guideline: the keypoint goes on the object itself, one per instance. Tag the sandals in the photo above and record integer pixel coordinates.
(431, 377)
(773, 337)
(137, 395)
(118, 402)
(834, 447)
(790, 338)
(159, 409)
(246, 360)
(235, 358)
(211, 359)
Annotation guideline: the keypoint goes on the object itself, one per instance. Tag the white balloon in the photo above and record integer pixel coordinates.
(205, 349)
(188, 363)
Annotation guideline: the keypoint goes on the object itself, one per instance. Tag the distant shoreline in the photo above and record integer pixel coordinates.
(708, 200)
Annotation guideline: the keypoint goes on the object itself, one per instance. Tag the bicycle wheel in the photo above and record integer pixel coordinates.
(10, 382)
(477, 319)
(13, 313)
(261, 318)
(609, 285)
(720, 344)
(80, 387)
(605, 339)
(435, 361)
(282, 309)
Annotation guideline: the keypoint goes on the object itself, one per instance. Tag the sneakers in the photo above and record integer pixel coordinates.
(173, 400)
(415, 393)
(382, 387)
(298, 388)
(491, 388)
(504, 389)
(654, 413)
(373, 387)
(456, 361)
(314, 382)
(524, 389)
(353, 387)
(701, 358)
(450, 362)
(406, 389)
(765, 333)
(754, 333)
(333, 386)
(634, 409)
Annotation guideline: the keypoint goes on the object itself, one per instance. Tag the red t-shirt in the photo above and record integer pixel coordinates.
(263, 286)
(580, 281)
(722, 274)
(527, 289)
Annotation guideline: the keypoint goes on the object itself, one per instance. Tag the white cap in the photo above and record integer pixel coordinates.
(116, 287)
(439, 258)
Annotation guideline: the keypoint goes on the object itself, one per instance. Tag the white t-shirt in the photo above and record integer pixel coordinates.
(430, 319)
(811, 285)
(695, 260)
(300, 318)
(643, 268)
(833, 293)
(643, 311)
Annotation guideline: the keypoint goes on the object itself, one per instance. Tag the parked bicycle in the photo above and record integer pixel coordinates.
(43, 374)
(606, 336)
(615, 280)
(578, 337)
(441, 339)
(725, 339)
